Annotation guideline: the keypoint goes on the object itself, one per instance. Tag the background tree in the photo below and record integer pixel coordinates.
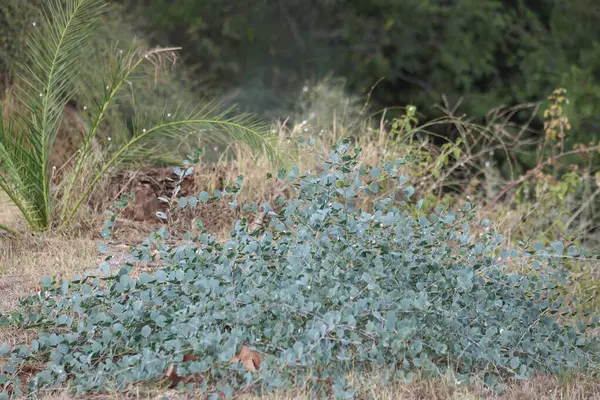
(480, 53)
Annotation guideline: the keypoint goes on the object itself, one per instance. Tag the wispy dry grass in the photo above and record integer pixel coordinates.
(371, 387)
(25, 261)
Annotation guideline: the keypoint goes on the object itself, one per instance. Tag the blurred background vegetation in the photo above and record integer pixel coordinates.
(488, 52)
(260, 53)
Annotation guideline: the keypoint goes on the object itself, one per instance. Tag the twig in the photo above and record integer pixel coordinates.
(382, 132)
(535, 170)
(259, 220)
(583, 207)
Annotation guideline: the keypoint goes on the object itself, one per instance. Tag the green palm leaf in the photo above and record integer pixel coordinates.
(208, 122)
(55, 46)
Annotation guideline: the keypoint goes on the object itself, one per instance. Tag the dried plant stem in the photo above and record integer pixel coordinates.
(583, 207)
(535, 170)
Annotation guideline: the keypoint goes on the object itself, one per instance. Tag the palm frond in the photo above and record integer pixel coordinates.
(209, 122)
(13, 165)
(55, 45)
(49, 79)
(184, 126)
(123, 68)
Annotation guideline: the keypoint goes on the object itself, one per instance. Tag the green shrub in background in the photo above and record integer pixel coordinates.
(260, 54)
(490, 52)
(321, 290)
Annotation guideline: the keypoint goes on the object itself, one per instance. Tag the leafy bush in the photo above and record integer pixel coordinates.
(320, 290)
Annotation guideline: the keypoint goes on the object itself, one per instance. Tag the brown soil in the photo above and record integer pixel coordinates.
(149, 184)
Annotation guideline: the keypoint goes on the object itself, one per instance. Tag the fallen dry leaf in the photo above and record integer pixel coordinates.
(172, 376)
(249, 358)
(189, 357)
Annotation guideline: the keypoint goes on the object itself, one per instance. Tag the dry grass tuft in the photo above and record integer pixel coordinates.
(25, 261)
(370, 387)
(9, 213)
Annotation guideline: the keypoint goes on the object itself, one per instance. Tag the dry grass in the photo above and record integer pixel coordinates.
(9, 214)
(24, 262)
(370, 387)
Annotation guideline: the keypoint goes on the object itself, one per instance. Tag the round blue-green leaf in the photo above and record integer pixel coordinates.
(515, 362)
(203, 197)
(146, 331)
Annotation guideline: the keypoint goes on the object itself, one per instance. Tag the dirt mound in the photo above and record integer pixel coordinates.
(148, 184)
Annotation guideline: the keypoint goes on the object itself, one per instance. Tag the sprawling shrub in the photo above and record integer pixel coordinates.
(321, 289)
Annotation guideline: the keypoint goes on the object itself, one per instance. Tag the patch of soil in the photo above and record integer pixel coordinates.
(148, 184)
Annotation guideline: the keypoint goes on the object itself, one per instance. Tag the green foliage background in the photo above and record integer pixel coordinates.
(489, 51)
(260, 53)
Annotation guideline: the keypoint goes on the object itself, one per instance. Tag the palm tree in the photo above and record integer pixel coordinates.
(45, 82)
